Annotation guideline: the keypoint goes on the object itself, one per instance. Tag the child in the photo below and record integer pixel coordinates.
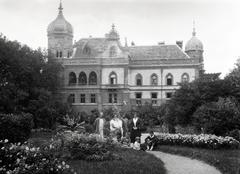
(136, 144)
(151, 141)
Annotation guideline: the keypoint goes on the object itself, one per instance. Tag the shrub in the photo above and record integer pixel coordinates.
(219, 117)
(201, 141)
(15, 128)
(86, 147)
(23, 159)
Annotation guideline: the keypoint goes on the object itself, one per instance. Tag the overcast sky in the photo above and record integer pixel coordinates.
(146, 22)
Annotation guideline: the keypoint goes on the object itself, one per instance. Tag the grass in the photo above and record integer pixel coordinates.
(227, 161)
(131, 161)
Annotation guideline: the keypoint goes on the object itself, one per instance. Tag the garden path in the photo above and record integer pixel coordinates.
(176, 164)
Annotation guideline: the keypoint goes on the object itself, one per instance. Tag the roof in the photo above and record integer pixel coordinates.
(157, 51)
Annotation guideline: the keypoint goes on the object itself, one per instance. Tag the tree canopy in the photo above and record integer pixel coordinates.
(29, 78)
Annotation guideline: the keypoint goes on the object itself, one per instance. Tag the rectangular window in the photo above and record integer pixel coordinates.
(82, 98)
(72, 98)
(168, 94)
(93, 98)
(115, 98)
(138, 98)
(112, 98)
(154, 98)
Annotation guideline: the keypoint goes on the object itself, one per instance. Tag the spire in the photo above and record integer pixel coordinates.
(60, 8)
(194, 30)
(113, 27)
(126, 44)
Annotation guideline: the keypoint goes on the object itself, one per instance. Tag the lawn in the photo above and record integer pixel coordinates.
(227, 161)
(131, 161)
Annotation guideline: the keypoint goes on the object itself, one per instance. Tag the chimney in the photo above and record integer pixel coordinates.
(179, 43)
(161, 43)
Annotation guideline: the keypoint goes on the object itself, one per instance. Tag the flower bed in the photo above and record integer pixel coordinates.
(20, 158)
(201, 141)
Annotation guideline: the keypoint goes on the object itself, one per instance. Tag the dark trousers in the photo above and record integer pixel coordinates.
(134, 134)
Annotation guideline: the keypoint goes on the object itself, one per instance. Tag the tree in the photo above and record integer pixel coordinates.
(219, 117)
(192, 95)
(29, 81)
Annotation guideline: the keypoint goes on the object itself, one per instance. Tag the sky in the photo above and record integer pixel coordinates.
(146, 22)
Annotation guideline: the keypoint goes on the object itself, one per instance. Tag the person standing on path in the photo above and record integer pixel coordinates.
(99, 125)
(135, 126)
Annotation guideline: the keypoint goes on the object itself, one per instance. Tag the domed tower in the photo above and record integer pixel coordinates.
(60, 36)
(194, 49)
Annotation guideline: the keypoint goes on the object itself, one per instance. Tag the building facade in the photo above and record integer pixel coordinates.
(101, 72)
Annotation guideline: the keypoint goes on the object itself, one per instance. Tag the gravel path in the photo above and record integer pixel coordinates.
(182, 165)
(176, 164)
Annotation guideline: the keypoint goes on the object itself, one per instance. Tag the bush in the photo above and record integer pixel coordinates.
(86, 147)
(15, 128)
(24, 159)
(201, 141)
(219, 117)
(235, 134)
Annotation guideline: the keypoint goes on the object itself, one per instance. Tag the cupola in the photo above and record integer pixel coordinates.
(60, 24)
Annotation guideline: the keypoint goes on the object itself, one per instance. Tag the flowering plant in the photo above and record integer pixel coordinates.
(202, 141)
(21, 158)
(86, 146)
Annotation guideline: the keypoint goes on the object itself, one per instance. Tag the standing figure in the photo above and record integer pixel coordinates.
(125, 125)
(135, 128)
(99, 124)
(116, 128)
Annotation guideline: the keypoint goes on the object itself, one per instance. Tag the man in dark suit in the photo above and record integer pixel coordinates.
(135, 126)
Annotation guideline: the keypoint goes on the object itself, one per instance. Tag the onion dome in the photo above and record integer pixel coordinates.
(60, 24)
(113, 34)
(194, 43)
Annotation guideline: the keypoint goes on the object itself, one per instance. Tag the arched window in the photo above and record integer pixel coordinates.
(82, 79)
(59, 54)
(72, 79)
(154, 79)
(92, 78)
(112, 51)
(185, 78)
(113, 78)
(139, 80)
(71, 98)
(169, 79)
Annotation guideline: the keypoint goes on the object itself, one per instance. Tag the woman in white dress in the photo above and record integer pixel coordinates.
(116, 128)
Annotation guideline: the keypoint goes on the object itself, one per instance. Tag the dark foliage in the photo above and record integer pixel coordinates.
(15, 128)
(219, 117)
(29, 80)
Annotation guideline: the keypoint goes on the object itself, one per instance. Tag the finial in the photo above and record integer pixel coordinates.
(126, 44)
(113, 27)
(60, 7)
(194, 30)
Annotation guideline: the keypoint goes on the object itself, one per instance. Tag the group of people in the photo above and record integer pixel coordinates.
(121, 127)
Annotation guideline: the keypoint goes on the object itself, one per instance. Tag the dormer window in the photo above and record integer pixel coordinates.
(87, 51)
(112, 51)
(69, 54)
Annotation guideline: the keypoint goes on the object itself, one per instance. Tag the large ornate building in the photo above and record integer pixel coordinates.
(100, 72)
